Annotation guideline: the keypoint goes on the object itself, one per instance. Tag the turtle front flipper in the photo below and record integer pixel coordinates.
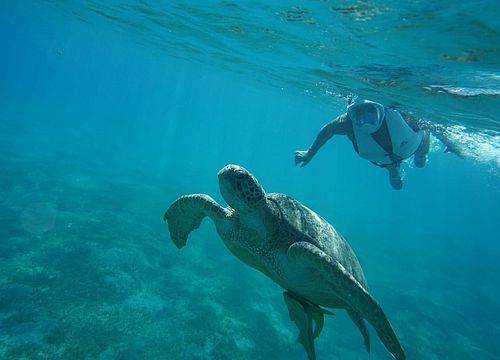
(305, 314)
(186, 213)
(348, 289)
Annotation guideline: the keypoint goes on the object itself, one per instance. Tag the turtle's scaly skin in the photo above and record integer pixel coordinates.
(292, 245)
(187, 214)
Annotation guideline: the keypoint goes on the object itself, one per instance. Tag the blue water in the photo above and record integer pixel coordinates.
(109, 111)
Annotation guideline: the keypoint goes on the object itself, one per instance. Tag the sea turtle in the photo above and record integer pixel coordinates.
(295, 247)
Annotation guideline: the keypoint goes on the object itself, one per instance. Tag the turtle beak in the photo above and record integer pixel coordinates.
(225, 181)
(229, 180)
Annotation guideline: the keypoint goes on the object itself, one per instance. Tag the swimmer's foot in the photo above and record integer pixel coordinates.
(420, 161)
(396, 182)
(395, 176)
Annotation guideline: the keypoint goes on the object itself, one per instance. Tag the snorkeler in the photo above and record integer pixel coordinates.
(382, 135)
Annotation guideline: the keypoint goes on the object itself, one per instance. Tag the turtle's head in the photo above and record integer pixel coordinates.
(240, 189)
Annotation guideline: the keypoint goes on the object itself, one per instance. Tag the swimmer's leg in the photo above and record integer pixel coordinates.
(420, 157)
(395, 176)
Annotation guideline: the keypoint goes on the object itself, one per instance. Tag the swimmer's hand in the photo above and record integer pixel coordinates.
(302, 157)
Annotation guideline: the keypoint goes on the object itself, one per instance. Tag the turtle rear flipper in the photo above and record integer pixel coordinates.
(349, 289)
(186, 213)
(306, 316)
(357, 319)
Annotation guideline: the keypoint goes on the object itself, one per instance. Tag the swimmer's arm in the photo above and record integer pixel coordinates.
(338, 126)
(438, 130)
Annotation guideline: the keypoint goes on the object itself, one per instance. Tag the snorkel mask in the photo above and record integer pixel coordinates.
(366, 115)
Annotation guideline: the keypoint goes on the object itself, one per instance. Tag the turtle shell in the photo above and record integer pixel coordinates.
(319, 231)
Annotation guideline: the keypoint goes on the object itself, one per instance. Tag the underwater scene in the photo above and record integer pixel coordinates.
(111, 110)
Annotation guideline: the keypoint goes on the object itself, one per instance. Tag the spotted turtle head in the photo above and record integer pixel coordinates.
(240, 189)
